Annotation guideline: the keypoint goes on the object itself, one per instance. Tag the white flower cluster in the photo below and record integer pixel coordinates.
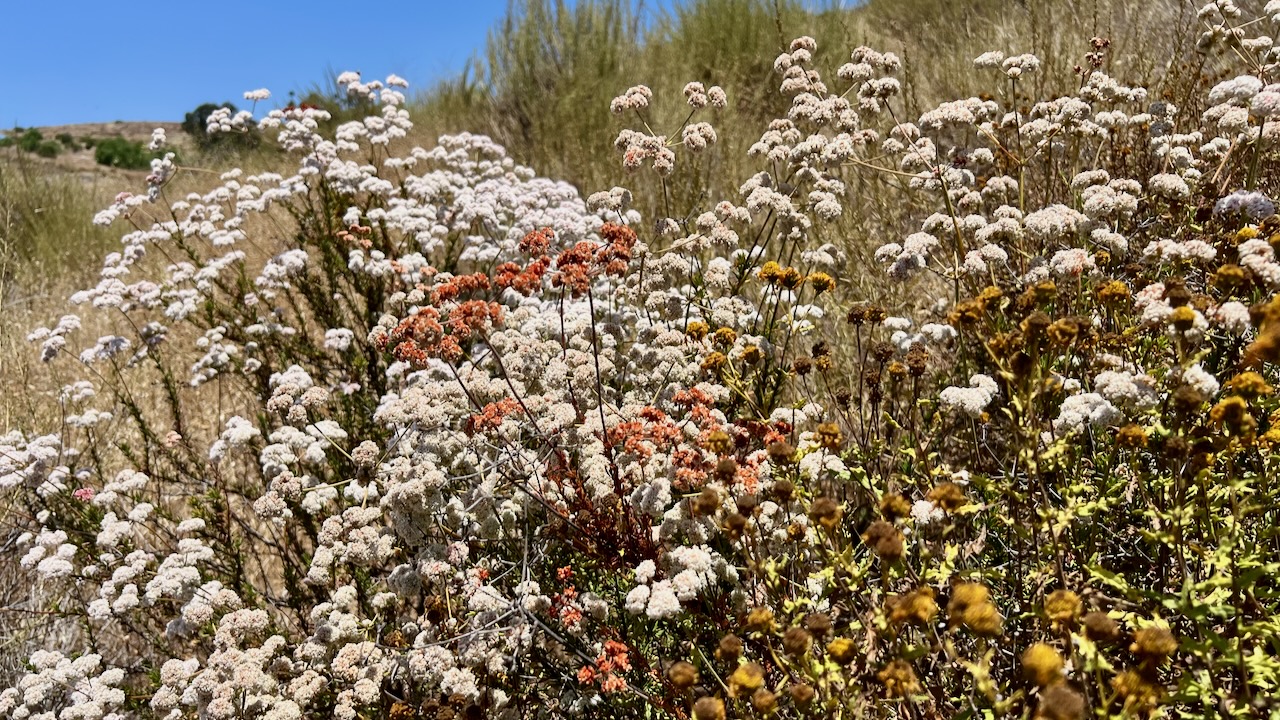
(972, 400)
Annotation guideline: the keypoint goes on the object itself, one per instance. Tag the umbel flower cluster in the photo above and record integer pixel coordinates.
(415, 433)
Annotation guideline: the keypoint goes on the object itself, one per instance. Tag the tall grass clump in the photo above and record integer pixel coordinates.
(44, 240)
(409, 432)
(548, 61)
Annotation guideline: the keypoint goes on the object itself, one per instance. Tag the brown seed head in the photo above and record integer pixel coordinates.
(826, 512)
(818, 623)
(894, 506)
(899, 679)
(1042, 665)
(917, 360)
(759, 620)
(683, 675)
(726, 468)
(729, 649)
(706, 503)
(764, 701)
(983, 620)
(842, 650)
(1153, 643)
(783, 491)
(917, 606)
(745, 680)
(829, 436)
(948, 496)
(708, 708)
(966, 594)
(1063, 606)
(719, 442)
(885, 539)
(1060, 702)
(1100, 628)
(781, 453)
(1132, 436)
(801, 693)
(796, 641)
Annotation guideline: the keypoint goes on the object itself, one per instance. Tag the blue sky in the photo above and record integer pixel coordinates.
(101, 60)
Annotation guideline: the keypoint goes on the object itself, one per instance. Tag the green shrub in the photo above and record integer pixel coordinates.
(68, 141)
(30, 140)
(48, 149)
(121, 153)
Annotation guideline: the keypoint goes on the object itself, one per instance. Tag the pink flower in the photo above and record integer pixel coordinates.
(84, 494)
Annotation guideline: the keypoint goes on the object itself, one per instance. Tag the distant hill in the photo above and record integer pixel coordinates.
(80, 159)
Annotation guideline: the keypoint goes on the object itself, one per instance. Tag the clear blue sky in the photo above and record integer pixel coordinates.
(72, 61)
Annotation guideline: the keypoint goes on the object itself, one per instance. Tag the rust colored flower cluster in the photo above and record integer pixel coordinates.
(577, 265)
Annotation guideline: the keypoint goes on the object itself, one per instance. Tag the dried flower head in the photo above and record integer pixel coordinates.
(708, 708)
(1060, 702)
(745, 680)
(886, 540)
(893, 507)
(796, 641)
(899, 679)
(683, 675)
(826, 512)
(1042, 665)
(764, 701)
(729, 649)
(842, 650)
(1063, 606)
(1153, 643)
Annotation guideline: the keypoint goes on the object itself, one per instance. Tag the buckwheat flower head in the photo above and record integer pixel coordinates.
(636, 97)
(1257, 256)
(1072, 262)
(1019, 65)
(696, 95)
(189, 526)
(1113, 241)
(663, 602)
(616, 199)
(1200, 380)
(989, 59)
(645, 572)
(1169, 186)
(459, 681)
(1266, 104)
(972, 400)
(1187, 250)
(938, 333)
(338, 339)
(1232, 317)
(1086, 410)
(717, 97)
(1236, 90)
(1127, 390)
(1055, 222)
(697, 136)
(924, 512)
(259, 94)
(637, 599)
(1250, 203)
